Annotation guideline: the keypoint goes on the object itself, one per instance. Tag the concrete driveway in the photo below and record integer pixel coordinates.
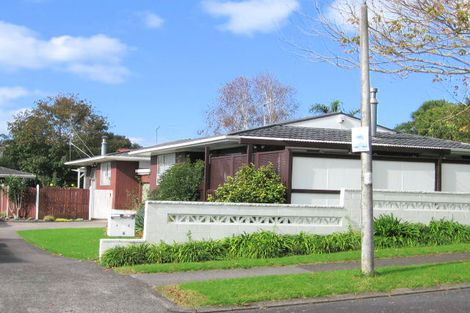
(32, 280)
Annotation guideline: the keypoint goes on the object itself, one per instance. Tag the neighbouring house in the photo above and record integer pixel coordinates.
(314, 159)
(116, 180)
(9, 172)
(5, 203)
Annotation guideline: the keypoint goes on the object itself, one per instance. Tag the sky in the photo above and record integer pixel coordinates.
(151, 64)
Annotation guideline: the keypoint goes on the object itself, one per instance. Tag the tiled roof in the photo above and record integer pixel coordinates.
(4, 172)
(340, 136)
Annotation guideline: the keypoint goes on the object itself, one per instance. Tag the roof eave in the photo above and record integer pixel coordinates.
(105, 158)
(188, 144)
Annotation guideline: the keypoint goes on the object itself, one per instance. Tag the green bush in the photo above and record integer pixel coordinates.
(130, 255)
(390, 232)
(180, 183)
(252, 185)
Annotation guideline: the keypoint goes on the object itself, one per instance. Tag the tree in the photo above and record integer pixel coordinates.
(406, 36)
(440, 119)
(245, 103)
(17, 190)
(180, 183)
(335, 106)
(39, 138)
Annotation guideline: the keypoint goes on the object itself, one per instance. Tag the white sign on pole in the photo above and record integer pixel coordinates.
(360, 139)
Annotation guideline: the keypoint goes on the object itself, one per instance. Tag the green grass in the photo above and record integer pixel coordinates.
(77, 243)
(290, 260)
(268, 288)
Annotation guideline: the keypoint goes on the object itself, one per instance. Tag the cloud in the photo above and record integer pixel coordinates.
(97, 57)
(251, 16)
(151, 20)
(9, 95)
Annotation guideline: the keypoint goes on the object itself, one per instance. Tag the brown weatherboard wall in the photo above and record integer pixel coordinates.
(127, 186)
(224, 166)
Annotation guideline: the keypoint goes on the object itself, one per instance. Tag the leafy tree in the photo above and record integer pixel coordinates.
(180, 183)
(17, 190)
(440, 119)
(39, 138)
(406, 36)
(335, 106)
(252, 185)
(245, 103)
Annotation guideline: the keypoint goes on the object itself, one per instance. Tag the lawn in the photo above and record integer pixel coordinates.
(268, 288)
(77, 243)
(290, 260)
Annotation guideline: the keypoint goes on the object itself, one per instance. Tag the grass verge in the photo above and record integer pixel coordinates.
(77, 243)
(290, 260)
(268, 288)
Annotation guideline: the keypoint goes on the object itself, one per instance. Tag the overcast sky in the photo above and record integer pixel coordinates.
(158, 63)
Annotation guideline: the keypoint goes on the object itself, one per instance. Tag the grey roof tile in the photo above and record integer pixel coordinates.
(5, 171)
(327, 135)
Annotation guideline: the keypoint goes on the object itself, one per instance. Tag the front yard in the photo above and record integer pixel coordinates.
(77, 243)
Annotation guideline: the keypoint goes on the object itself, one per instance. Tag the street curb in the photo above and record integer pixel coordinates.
(172, 307)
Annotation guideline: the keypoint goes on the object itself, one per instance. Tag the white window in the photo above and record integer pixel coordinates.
(164, 162)
(105, 174)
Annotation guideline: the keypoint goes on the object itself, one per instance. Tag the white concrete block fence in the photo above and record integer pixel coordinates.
(168, 221)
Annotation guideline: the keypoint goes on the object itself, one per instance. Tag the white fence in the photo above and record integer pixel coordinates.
(169, 222)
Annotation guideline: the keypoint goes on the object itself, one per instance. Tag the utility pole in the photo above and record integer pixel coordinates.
(367, 231)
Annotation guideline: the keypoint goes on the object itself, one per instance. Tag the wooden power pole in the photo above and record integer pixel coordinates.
(367, 254)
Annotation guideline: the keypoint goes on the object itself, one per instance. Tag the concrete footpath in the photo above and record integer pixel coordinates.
(161, 279)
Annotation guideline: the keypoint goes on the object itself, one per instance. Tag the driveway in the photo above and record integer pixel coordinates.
(32, 280)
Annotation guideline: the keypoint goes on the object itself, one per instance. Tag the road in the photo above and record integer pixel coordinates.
(34, 281)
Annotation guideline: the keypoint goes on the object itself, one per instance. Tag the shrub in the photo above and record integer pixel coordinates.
(180, 183)
(139, 219)
(252, 185)
(3, 216)
(390, 232)
(48, 218)
(130, 255)
(263, 244)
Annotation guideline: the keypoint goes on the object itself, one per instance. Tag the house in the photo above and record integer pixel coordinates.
(116, 180)
(314, 159)
(9, 172)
